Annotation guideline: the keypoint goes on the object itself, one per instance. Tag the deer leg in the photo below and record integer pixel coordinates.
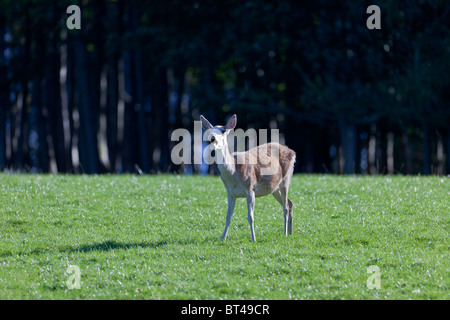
(284, 190)
(291, 216)
(285, 210)
(287, 182)
(251, 218)
(231, 202)
(282, 200)
(289, 205)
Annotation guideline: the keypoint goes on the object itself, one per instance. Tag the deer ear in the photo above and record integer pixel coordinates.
(205, 123)
(231, 124)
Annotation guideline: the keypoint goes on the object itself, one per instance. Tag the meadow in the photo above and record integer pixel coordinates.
(159, 237)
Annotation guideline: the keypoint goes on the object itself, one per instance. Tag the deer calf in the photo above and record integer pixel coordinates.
(244, 173)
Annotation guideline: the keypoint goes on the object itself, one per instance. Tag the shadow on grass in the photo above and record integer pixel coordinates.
(101, 246)
(111, 245)
(107, 246)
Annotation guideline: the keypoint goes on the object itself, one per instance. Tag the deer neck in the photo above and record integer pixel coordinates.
(227, 165)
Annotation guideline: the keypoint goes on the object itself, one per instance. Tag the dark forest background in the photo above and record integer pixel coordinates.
(106, 98)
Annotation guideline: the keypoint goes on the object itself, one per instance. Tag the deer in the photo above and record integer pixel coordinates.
(244, 173)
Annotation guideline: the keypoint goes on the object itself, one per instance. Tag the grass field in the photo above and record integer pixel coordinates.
(158, 237)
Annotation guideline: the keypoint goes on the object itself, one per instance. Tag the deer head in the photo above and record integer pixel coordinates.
(218, 134)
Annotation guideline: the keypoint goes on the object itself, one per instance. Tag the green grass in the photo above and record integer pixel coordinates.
(158, 237)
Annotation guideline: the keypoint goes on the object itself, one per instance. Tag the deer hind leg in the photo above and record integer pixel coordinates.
(286, 184)
(291, 216)
(281, 197)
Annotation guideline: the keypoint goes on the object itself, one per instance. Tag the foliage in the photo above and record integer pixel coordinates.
(312, 65)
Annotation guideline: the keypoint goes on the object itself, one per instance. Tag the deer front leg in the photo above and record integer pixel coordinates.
(231, 202)
(251, 218)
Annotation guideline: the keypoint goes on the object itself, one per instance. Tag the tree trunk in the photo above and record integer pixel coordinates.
(52, 92)
(87, 109)
(178, 85)
(129, 144)
(66, 99)
(3, 95)
(69, 88)
(160, 122)
(448, 153)
(372, 160)
(426, 150)
(136, 155)
(176, 88)
(407, 154)
(308, 148)
(381, 148)
(139, 107)
(3, 107)
(440, 156)
(165, 150)
(95, 61)
(348, 135)
(38, 122)
(21, 148)
(112, 92)
(390, 153)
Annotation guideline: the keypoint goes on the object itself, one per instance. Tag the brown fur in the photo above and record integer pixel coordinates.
(249, 171)
(244, 174)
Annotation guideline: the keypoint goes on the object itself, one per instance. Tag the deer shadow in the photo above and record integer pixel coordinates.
(111, 245)
(108, 246)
